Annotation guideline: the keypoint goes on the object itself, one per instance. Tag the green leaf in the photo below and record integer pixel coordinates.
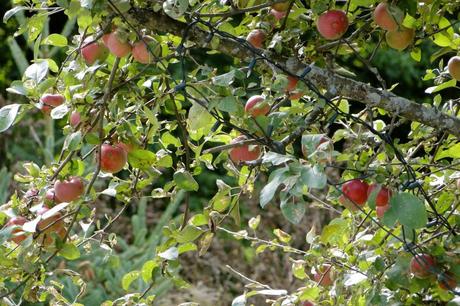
(276, 158)
(231, 105)
(12, 12)
(142, 159)
(55, 40)
(408, 209)
(128, 278)
(148, 269)
(8, 114)
(453, 152)
(291, 209)
(310, 293)
(37, 71)
(175, 8)
(274, 181)
(185, 180)
(73, 141)
(69, 251)
(336, 232)
(188, 234)
(225, 79)
(199, 117)
(313, 177)
(170, 254)
(59, 112)
(448, 84)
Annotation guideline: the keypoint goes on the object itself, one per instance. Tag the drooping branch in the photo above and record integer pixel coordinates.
(319, 77)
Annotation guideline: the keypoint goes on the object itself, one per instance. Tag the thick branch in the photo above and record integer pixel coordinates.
(321, 78)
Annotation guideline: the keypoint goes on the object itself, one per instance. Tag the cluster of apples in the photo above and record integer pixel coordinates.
(118, 44)
(356, 193)
(389, 17)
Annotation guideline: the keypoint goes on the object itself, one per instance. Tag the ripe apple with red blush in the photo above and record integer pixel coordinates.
(380, 210)
(69, 190)
(256, 38)
(332, 24)
(17, 234)
(93, 51)
(277, 14)
(356, 191)
(388, 16)
(323, 276)
(50, 225)
(244, 152)
(256, 106)
(50, 197)
(74, 119)
(400, 39)
(113, 158)
(453, 66)
(383, 195)
(291, 86)
(118, 44)
(422, 265)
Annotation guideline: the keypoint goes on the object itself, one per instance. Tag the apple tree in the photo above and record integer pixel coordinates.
(153, 95)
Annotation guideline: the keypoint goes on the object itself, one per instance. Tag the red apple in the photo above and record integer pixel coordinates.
(308, 303)
(356, 191)
(256, 106)
(453, 66)
(281, 6)
(50, 197)
(113, 158)
(52, 99)
(332, 24)
(118, 45)
(69, 190)
(244, 152)
(323, 276)
(290, 88)
(422, 265)
(74, 118)
(381, 210)
(142, 54)
(277, 14)
(383, 196)
(256, 38)
(388, 16)
(58, 227)
(105, 39)
(401, 38)
(17, 233)
(93, 51)
(447, 281)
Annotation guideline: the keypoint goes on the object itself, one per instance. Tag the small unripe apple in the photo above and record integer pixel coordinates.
(113, 158)
(447, 281)
(69, 190)
(388, 16)
(118, 45)
(383, 196)
(401, 38)
(421, 265)
(453, 66)
(277, 14)
(50, 197)
(356, 191)
(58, 227)
(52, 99)
(256, 38)
(93, 51)
(380, 210)
(281, 6)
(256, 106)
(324, 275)
(74, 118)
(244, 152)
(332, 24)
(17, 234)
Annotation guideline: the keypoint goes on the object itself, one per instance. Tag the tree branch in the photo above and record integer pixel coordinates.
(319, 77)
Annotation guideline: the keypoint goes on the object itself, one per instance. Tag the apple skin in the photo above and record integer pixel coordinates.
(453, 66)
(400, 39)
(46, 238)
(52, 99)
(332, 24)
(256, 38)
(117, 45)
(281, 6)
(447, 281)
(421, 265)
(113, 158)
(141, 53)
(277, 14)
(308, 303)
(327, 278)
(384, 18)
(17, 221)
(50, 197)
(242, 153)
(290, 88)
(74, 119)
(256, 106)
(69, 190)
(383, 196)
(381, 210)
(93, 51)
(356, 191)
